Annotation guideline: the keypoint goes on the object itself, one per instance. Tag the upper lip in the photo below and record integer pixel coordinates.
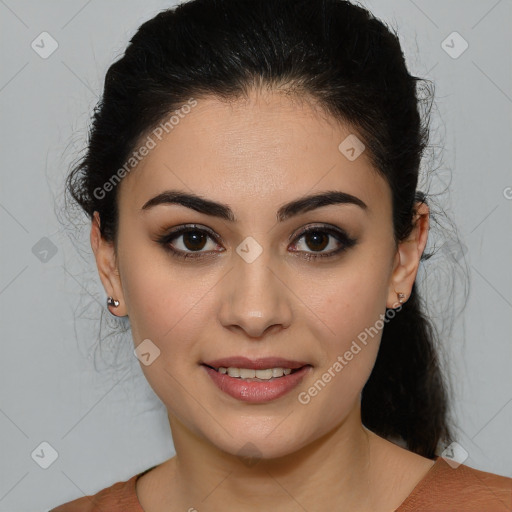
(255, 364)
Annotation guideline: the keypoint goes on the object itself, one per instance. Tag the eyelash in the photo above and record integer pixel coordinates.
(346, 241)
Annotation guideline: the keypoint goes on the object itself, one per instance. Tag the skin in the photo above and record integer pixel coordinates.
(255, 155)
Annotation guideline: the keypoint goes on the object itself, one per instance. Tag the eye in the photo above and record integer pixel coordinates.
(195, 239)
(317, 238)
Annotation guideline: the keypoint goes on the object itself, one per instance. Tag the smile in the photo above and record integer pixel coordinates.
(250, 373)
(263, 381)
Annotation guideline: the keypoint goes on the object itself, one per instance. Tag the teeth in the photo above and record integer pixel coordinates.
(234, 372)
(248, 373)
(264, 374)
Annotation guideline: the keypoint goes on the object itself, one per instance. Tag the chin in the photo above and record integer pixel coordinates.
(256, 443)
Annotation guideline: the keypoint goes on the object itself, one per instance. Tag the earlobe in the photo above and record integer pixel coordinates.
(104, 253)
(407, 259)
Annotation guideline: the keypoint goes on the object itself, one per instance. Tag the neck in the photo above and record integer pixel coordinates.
(336, 471)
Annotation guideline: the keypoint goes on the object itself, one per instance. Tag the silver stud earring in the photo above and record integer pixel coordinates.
(112, 302)
(401, 297)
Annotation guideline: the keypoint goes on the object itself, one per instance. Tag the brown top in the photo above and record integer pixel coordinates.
(442, 489)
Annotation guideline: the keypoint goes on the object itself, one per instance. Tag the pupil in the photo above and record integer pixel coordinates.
(193, 240)
(315, 235)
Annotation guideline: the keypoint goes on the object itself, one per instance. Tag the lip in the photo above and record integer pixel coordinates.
(257, 391)
(255, 364)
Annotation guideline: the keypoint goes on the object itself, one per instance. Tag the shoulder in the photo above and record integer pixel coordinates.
(461, 487)
(119, 497)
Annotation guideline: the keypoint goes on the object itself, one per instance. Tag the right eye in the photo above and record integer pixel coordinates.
(193, 241)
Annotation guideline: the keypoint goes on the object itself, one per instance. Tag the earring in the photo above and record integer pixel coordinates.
(112, 302)
(401, 297)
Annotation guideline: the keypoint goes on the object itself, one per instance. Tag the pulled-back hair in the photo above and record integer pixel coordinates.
(349, 63)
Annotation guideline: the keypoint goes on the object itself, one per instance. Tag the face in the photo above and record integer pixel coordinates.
(246, 284)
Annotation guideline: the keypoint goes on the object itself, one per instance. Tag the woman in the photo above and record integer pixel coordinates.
(251, 178)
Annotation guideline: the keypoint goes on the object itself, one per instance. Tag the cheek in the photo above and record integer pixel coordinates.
(163, 299)
(167, 309)
(346, 302)
(352, 312)
(350, 305)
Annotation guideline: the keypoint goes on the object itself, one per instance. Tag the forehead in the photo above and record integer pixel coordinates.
(268, 146)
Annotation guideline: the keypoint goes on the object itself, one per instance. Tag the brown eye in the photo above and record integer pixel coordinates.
(194, 240)
(317, 240)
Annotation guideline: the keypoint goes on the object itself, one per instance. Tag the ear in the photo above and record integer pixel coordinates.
(105, 255)
(408, 255)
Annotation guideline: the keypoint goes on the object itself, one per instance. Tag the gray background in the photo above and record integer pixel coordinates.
(105, 423)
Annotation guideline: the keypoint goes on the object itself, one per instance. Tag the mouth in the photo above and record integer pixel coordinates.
(256, 381)
(253, 375)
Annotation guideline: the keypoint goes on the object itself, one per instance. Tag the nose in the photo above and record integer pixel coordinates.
(255, 299)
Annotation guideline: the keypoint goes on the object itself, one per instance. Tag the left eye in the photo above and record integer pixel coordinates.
(318, 239)
(319, 236)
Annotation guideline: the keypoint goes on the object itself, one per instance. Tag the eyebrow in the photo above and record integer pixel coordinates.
(223, 211)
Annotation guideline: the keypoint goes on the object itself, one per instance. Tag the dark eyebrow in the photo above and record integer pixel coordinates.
(223, 211)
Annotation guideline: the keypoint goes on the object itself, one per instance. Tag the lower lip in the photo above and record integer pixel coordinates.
(254, 391)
